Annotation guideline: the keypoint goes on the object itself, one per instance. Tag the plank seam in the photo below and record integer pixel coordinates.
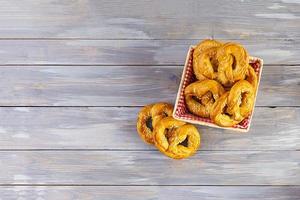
(142, 185)
(141, 150)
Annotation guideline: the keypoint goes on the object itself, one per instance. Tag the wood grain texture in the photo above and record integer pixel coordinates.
(115, 129)
(151, 192)
(149, 19)
(150, 168)
(123, 85)
(131, 52)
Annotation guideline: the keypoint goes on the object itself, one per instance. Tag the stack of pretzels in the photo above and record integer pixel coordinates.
(226, 84)
(174, 138)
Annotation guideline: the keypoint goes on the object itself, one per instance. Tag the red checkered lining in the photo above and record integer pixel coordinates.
(181, 111)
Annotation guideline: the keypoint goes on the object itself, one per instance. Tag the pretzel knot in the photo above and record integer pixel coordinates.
(233, 63)
(148, 118)
(233, 106)
(176, 139)
(201, 95)
(205, 63)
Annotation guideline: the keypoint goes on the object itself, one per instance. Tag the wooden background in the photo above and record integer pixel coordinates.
(75, 73)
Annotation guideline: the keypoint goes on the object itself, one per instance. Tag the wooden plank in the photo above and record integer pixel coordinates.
(151, 192)
(123, 85)
(150, 168)
(114, 129)
(130, 52)
(149, 19)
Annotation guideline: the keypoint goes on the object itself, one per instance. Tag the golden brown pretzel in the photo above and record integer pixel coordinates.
(205, 63)
(201, 95)
(219, 112)
(148, 118)
(176, 139)
(235, 105)
(205, 66)
(240, 100)
(233, 62)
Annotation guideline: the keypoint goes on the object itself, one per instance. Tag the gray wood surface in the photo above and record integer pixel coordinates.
(74, 74)
(131, 52)
(114, 129)
(146, 19)
(150, 168)
(124, 85)
(151, 192)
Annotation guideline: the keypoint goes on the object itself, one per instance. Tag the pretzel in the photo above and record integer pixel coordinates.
(233, 106)
(176, 139)
(233, 62)
(219, 112)
(240, 100)
(148, 118)
(205, 63)
(201, 95)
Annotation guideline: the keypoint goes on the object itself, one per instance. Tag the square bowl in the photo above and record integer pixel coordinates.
(182, 113)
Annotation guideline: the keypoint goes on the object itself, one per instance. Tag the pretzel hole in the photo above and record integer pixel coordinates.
(225, 111)
(185, 142)
(196, 99)
(233, 62)
(242, 98)
(165, 114)
(214, 64)
(168, 132)
(149, 123)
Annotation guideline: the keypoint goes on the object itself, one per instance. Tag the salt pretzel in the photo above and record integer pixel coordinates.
(148, 118)
(240, 100)
(219, 112)
(233, 63)
(176, 139)
(201, 95)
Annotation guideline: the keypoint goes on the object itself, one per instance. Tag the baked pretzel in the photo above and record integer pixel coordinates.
(205, 66)
(176, 139)
(233, 106)
(201, 95)
(233, 62)
(219, 112)
(205, 63)
(240, 100)
(252, 77)
(148, 118)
